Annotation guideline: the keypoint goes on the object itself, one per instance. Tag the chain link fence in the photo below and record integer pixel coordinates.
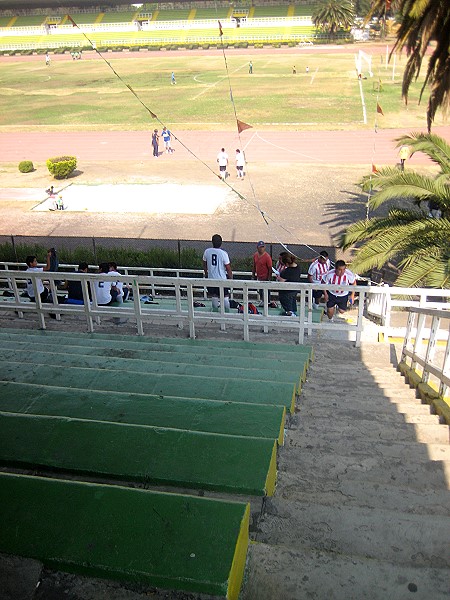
(240, 252)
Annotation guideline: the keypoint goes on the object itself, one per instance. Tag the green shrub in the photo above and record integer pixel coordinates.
(62, 166)
(26, 166)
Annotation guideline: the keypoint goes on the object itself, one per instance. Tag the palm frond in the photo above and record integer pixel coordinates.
(413, 186)
(434, 146)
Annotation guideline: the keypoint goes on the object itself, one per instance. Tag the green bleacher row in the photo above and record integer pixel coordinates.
(176, 36)
(194, 414)
(160, 15)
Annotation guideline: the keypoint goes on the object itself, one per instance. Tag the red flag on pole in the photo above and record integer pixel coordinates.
(220, 29)
(242, 126)
(374, 168)
(380, 110)
(72, 21)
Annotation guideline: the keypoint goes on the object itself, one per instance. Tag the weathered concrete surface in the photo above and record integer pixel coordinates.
(19, 577)
(361, 508)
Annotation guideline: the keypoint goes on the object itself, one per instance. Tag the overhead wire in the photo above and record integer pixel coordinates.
(268, 220)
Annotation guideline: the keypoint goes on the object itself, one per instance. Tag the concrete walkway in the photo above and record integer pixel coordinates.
(362, 508)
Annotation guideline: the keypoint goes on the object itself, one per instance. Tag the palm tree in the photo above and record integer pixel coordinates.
(423, 22)
(418, 243)
(331, 15)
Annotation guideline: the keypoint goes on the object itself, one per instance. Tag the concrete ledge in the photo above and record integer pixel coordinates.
(426, 393)
(238, 465)
(164, 540)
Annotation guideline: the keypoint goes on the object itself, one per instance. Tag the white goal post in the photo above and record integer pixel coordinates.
(360, 58)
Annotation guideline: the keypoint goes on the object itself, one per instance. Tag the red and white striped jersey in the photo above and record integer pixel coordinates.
(317, 270)
(347, 278)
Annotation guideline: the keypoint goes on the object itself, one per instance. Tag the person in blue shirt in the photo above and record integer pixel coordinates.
(167, 136)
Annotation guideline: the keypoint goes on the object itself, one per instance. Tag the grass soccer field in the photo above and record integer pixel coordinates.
(85, 94)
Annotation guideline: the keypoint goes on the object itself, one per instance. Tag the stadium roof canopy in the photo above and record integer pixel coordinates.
(15, 4)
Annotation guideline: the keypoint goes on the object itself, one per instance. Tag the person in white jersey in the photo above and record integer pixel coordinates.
(240, 164)
(316, 271)
(103, 288)
(32, 267)
(216, 265)
(340, 275)
(222, 159)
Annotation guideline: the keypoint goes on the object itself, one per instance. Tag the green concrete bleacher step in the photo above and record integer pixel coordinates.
(212, 416)
(276, 352)
(165, 540)
(154, 455)
(213, 388)
(50, 354)
(129, 349)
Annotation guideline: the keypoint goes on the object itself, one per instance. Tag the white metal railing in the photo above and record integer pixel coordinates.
(420, 346)
(383, 301)
(49, 43)
(183, 292)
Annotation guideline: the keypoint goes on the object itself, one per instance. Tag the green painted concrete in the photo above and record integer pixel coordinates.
(115, 349)
(240, 390)
(230, 418)
(64, 358)
(240, 465)
(277, 352)
(164, 540)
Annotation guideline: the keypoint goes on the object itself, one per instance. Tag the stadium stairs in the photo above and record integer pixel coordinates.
(138, 459)
(361, 509)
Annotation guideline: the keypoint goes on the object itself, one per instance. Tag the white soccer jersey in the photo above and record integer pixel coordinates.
(240, 160)
(216, 259)
(317, 270)
(222, 159)
(39, 284)
(103, 291)
(118, 284)
(347, 278)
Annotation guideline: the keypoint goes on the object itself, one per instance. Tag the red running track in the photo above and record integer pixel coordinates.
(305, 147)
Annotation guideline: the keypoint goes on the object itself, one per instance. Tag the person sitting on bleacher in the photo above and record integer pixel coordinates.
(103, 288)
(74, 288)
(32, 266)
(119, 290)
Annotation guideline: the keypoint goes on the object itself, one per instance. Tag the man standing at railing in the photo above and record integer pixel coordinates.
(340, 275)
(262, 268)
(216, 265)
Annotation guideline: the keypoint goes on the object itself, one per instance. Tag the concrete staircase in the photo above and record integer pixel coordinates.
(361, 510)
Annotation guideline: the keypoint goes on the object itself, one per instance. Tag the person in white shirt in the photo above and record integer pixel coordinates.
(316, 271)
(103, 288)
(222, 159)
(43, 292)
(119, 290)
(240, 164)
(340, 275)
(216, 265)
